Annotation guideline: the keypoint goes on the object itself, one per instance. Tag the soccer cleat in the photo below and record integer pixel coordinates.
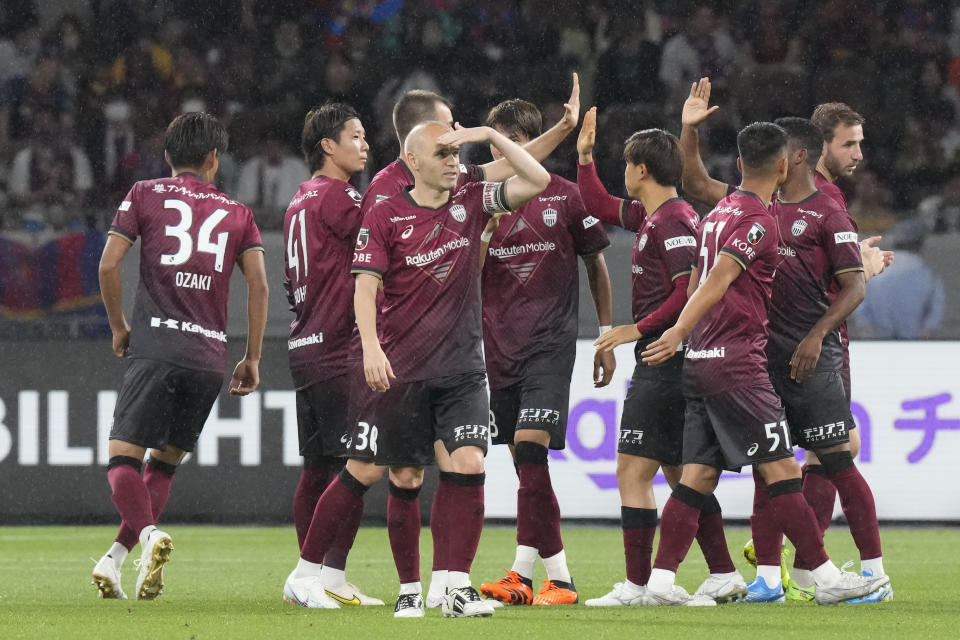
(883, 594)
(409, 605)
(349, 594)
(623, 595)
(849, 586)
(758, 591)
(465, 602)
(307, 592)
(106, 578)
(556, 592)
(723, 588)
(155, 554)
(749, 554)
(434, 601)
(510, 589)
(796, 593)
(677, 596)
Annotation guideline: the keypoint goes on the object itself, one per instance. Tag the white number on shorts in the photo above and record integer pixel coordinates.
(773, 435)
(181, 231)
(293, 256)
(706, 264)
(367, 437)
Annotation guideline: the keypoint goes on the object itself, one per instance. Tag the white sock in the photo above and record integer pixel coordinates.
(145, 533)
(556, 566)
(724, 576)
(119, 553)
(305, 569)
(803, 578)
(661, 580)
(873, 565)
(457, 579)
(632, 589)
(826, 574)
(523, 563)
(410, 588)
(332, 578)
(770, 574)
(438, 583)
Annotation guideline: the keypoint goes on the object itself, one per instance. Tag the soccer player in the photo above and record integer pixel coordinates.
(530, 325)
(651, 428)
(734, 417)
(320, 228)
(819, 283)
(422, 247)
(191, 236)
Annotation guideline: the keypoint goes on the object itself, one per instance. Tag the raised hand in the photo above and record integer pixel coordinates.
(697, 107)
(572, 107)
(462, 135)
(587, 139)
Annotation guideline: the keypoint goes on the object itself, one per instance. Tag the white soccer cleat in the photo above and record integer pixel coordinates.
(155, 554)
(465, 602)
(848, 586)
(623, 595)
(677, 596)
(349, 594)
(435, 600)
(307, 592)
(723, 588)
(106, 578)
(409, 605)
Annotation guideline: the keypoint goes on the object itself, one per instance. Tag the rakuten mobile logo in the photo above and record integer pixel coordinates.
(423, 259)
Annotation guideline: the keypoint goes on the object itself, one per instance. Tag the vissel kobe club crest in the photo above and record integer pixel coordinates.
(798, 227)
(549, 216)
(642, 242)
(459, 212)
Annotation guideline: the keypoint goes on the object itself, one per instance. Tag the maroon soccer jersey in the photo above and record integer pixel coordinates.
(665, 248)
(319, 231)
(191, 236)
(430, 322)
(726, 348)
(817, 242)
(390, 180)
(830, 189)
(530, 280)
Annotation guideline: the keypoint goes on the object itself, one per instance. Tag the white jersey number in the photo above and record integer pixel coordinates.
(294, 255)
(707, 261)
(181, 231)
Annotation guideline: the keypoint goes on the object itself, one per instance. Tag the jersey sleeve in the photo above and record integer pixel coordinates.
(595, 196)
(371, 254)
(343, 216)
(752, 237)
(677, 242)
(587, 232)
(470, 173)
(632, 215)
(126, 222)
(251, 235)
(842, 246)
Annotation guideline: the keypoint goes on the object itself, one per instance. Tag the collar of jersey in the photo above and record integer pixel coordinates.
(810, 197)
(406, 194)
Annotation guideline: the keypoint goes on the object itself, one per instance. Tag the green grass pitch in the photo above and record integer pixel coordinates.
(226, 582)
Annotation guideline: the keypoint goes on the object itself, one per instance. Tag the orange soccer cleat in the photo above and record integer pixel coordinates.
(510, 589)
(557, 593)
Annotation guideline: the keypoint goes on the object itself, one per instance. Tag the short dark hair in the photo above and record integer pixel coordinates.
(803, 134)
(659, 151)
(829, 115)
(517, 116)
(325, 121)
(414, 107)
(760, 143)
(191, 136)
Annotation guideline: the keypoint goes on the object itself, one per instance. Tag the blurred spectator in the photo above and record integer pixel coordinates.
(940, 212)
(50, 178)
(871, 206)
(628, 71)
(22, 97)
(269, 179)
(907, 301)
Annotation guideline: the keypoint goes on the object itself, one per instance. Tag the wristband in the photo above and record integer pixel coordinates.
(605, 328)
(485, 236)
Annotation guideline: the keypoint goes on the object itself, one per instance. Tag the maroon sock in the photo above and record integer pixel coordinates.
(767, 538)
(795, 518)
(338, 504)
(439, 531)
(857, 503)
(157, 477)
(820, 493)
(639, 528)
(678, 526)
(130, 494)
(463, 519)
(403, 527)
(538, 513)
(336, 556)
(311, 486)
(712, 539)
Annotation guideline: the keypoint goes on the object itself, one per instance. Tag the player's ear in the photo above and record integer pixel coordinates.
(166, 158)
(328, 146)
(739, 166)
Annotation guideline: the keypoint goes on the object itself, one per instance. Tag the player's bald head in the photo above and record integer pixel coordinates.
(423, 138)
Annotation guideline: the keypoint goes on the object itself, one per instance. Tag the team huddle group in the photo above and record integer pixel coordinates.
(444, 280)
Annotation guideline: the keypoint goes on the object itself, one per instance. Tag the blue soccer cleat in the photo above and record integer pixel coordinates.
(883, 594)
(758, 591)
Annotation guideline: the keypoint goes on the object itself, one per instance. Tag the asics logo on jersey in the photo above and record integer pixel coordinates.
(753, 449)
(407, 232)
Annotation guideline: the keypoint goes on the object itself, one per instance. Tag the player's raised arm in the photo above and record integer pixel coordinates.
(544, 144)
(246, 375)
(696, 181)
(111, 290)
(376, 367)
(594, 195)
